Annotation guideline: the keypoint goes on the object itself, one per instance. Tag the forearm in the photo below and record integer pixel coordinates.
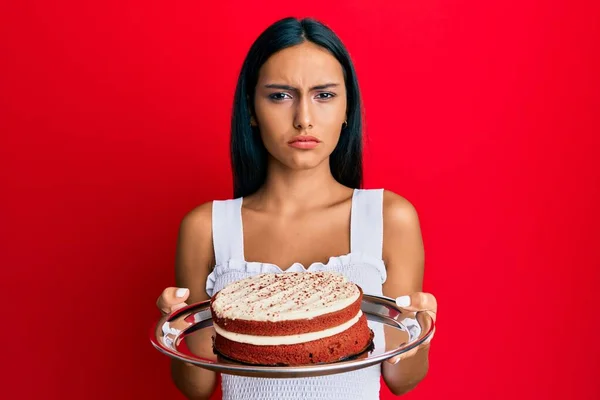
(194, 382)
(406, 374)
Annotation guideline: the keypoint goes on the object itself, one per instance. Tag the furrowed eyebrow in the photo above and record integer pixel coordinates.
(293, 89)
(325, 86)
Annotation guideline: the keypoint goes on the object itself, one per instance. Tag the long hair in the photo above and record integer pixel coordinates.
(248, 153)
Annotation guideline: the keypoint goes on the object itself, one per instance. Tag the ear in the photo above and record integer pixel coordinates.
(252, 119)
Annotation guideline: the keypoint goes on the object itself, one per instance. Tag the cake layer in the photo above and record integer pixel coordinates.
(287, 339)
(334, 348)
(285, 296)
(289, 327)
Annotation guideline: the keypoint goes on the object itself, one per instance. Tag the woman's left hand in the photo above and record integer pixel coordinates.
(417, 302)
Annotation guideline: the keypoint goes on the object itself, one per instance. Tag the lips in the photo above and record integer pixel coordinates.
(304, 142)
(304, 139)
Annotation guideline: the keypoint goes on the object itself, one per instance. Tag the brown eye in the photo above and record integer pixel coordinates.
(325, 96)
(279, 96)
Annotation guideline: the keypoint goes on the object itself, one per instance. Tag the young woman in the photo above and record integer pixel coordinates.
(296, 148)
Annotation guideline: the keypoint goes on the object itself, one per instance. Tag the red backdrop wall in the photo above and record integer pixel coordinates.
(114, 123)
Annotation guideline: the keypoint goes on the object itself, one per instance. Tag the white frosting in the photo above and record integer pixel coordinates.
(285, 296)
(287, 339)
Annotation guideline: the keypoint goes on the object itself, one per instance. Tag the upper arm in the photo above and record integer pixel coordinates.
(403, 251)
(195, 255)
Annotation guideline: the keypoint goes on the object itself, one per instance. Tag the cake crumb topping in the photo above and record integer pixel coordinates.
(285, 296)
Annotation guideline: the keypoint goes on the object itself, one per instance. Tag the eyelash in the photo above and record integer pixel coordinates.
(275, 96)
(329, 94)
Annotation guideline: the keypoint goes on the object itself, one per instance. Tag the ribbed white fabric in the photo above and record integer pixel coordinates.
(363, 265)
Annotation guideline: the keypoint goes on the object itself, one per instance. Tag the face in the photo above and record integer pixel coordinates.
(300, 105)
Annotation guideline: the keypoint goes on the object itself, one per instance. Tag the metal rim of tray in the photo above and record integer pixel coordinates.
(168, 332)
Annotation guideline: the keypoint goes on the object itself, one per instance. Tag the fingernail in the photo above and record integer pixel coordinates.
(181, 292)
(397, 361)
(403, 301)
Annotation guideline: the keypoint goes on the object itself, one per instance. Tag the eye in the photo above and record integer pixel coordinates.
(325, 96)
(279, 96)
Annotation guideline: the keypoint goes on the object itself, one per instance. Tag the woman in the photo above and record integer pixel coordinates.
(296, 157)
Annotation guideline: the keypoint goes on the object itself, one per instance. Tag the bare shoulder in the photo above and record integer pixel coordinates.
(198, 221)
(398, 212)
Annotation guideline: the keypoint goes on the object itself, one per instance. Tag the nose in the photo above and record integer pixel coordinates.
(303, 118)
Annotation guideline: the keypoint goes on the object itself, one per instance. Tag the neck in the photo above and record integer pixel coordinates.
(292, 190)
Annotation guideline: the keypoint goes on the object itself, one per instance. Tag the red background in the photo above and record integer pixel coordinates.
(114, 123)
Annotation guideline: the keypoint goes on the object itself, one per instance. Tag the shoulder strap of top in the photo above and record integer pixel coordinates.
(228, 238)
(366, 222)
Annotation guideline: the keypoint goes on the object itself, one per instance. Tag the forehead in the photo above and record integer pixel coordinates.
(305, 64)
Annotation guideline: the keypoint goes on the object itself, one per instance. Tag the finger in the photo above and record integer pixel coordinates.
(418, 301)
(430, 338)
(172, 297)
(423, 317)
(410, 353)
(395, 360)
(178, 306)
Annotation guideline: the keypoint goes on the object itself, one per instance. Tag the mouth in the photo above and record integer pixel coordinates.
(304, 142)
(304, 139)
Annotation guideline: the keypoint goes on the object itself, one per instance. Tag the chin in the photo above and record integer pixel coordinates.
(305, 161)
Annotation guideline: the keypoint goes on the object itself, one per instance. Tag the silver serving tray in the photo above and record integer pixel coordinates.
(186, 335)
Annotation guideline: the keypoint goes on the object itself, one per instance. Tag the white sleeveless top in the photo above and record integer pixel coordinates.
(363, 265)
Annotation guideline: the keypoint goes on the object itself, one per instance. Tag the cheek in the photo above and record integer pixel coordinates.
(272, 131)
(273, 127)
(333, 141)
(331, 120)
(273, 119)
(268, 139)
(333, 113)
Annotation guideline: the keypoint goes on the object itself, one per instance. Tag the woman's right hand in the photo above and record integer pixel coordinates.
(172, 299)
